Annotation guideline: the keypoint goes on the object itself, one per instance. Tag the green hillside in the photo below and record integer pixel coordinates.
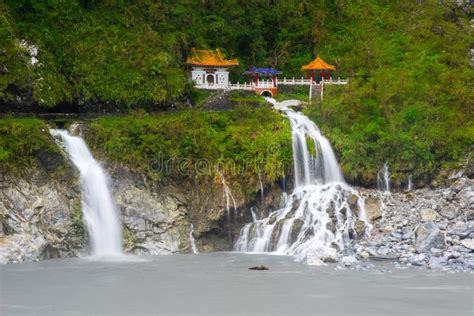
(409, 101)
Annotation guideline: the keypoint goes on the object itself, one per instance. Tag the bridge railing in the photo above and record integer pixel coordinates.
(265, 84)
(241, 86)
(269, 84)
(303, 81)
(294, 81)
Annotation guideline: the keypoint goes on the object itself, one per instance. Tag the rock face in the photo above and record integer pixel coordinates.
(150, 221)
(40, 213)
(22, 247)
(40, 218)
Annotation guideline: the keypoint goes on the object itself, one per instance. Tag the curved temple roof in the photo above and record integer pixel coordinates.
(262, 71)
(210, 58)
(318, 64)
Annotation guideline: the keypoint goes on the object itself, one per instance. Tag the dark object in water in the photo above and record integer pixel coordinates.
(260, 267)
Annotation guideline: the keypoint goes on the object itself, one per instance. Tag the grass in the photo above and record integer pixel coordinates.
(239, 143)
(20, 141)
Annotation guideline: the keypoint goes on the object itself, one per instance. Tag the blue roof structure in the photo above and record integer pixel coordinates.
(262, 71)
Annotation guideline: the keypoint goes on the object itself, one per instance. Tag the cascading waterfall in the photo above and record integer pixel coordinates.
(254, 214)
(316, 218)
(191, 239)
(228, 197)
(98, 207)
(319, 166)
(410, 184)
(261, 187)
(383, 179)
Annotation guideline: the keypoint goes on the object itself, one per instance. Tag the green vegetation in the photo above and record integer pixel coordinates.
(20, 142)
(293, 92)
(239, 143)
(92, 52)
(410, 98)
(409, 101)
(246, 97)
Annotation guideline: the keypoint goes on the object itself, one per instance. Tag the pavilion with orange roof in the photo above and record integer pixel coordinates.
(318, 65)
(210, 69)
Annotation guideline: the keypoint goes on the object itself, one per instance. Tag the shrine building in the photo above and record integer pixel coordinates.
(209, 70)
(318, 70)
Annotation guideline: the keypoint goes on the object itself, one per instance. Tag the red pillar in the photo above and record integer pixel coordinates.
(322, 75)
(274, 81)
(312, 75)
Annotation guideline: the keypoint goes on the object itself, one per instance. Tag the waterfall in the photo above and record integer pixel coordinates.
(316, 216)
(261, 186)
(410, 184)
(363, 214)
(228, 197)
(98, 207)
(254, 214)
(311, 166)
(191, 238)
(383, 179)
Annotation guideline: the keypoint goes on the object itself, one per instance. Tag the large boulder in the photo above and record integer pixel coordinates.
(21, 248)
(329, 256)
(373, 209)
(428, 236)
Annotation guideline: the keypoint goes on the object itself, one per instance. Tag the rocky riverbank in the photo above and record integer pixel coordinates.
(433, 228)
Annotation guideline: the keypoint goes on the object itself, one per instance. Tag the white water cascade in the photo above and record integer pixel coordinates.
(262, 193)
(228, 198)
(383, 179)
(253, 210)
(410, 184)
(191, 238)
(98, 207)
(318, 216)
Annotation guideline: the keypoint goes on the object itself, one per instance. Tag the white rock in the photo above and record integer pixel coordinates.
(330, 256)
(468, 243)
(314, 261)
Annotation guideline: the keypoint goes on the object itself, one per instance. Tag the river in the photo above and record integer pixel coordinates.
(221, 284)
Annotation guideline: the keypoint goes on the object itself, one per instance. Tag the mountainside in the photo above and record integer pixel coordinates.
(408, 102)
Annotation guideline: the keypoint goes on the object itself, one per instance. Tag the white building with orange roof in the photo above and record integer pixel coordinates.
(209, 69)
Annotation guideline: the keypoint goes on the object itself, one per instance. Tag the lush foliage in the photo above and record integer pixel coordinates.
(94, 53)
(239, 143)
(20, 142)
(410, 96)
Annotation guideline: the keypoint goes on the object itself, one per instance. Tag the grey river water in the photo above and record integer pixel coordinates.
(221, 284)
